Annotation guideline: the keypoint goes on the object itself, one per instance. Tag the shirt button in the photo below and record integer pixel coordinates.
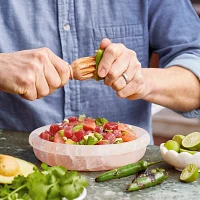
(67, 27)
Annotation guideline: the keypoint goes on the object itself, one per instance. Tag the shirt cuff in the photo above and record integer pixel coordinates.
(192, 63)
(187, 61)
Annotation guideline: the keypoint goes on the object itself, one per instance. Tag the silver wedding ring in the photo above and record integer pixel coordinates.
(125, 77)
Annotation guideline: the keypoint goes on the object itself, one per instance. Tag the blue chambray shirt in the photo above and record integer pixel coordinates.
(74, 29)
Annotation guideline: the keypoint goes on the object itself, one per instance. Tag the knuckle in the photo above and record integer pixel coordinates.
(132, 53)
(114, 86)
(43, 93)
(138, 64)
(31, 97)
(27, 81)
(44, 50)
(112, 50)
(41, 54)
(120, 94)
(64, 70)
(57, 83)
(34, 67)
(112, 74)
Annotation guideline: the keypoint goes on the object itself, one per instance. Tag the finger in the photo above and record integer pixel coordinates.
(61, 67)
(46, 75)
(30, 94)
(41, 84)
(121, 82)
(111, 53)
(134, 88)
(105, 43)
(118, 68)
(52, 77)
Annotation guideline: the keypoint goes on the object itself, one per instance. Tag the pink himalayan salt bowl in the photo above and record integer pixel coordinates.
(89, 157)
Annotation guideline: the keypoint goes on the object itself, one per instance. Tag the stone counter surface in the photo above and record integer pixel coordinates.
(16, 144)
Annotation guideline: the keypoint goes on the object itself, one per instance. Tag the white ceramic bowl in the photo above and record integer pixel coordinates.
(81, 197)
(89, 157)
(179, 160)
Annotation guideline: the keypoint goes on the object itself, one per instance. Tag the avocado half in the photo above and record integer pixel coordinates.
(10, 167)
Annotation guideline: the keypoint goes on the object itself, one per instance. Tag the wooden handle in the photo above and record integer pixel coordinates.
(83, 68)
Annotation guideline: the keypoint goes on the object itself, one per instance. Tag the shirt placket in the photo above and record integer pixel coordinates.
(69, 44)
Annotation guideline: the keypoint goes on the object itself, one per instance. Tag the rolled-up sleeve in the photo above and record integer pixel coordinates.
(187, 61)
(174, 29)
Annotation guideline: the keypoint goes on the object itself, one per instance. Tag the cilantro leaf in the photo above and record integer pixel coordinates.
(50, 183)
(38, 185)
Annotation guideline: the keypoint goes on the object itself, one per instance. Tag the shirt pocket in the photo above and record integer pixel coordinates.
(131, 36)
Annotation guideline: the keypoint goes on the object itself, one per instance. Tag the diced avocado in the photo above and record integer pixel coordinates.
(69, 141)
(98, 136)
(118, 140)
(91, 140)
(86, 136)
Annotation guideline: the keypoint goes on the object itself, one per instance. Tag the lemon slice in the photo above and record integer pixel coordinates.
(190, 173)
(172, 145)
(178, 138)
(192, 141)
(188, 151)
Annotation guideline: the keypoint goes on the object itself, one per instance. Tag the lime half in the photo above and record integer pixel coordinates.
(192, 141)
(188, 151)
(178, 138)
(172, 145)
(190, 173)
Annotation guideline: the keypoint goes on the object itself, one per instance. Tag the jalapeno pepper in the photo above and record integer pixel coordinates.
(154, 177)
(98, 57)
(126, 170)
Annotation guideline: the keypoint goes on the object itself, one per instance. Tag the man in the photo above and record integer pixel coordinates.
(71, 29)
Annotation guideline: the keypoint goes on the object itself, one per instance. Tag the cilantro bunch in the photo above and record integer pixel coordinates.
(49, 183)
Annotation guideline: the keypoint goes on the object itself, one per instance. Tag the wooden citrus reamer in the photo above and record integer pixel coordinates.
(87, 67)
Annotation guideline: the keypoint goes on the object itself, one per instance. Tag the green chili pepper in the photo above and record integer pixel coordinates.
(155, 177)
(98, 56)
(126, 170)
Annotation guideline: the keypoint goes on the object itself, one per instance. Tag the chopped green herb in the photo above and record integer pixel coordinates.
(49, 183)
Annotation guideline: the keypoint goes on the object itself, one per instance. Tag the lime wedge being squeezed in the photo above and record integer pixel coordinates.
(192, 141)
(190, 173)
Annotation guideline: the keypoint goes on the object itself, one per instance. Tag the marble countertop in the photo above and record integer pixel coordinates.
(16, 144)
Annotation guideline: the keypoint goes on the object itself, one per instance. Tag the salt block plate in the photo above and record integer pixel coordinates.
(179, 160)
(89, 157)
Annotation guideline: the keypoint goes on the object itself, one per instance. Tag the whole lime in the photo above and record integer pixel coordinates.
(172, 145)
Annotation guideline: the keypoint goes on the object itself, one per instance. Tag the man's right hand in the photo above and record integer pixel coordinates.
(32, 74)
